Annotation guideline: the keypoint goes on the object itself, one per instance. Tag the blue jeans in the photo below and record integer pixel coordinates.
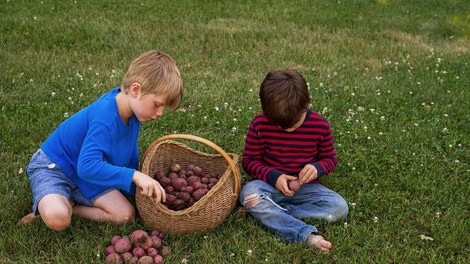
(281, 213)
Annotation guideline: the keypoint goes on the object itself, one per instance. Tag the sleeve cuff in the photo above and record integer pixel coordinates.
(320, 170)
(272, 177)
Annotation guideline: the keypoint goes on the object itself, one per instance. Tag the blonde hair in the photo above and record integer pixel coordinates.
(158, 74)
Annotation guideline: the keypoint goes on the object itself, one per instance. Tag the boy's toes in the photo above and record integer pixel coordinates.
(319, 242)
(27, 219)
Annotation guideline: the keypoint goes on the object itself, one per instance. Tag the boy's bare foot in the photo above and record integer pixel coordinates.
(319, 242)
(27, 219)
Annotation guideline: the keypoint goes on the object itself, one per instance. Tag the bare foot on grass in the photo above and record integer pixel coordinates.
(319, 242)
(27, 219)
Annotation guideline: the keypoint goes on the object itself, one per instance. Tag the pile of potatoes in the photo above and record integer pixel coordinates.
(139, 247)
(185, 186)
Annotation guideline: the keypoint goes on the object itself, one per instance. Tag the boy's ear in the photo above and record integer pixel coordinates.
(134, 89)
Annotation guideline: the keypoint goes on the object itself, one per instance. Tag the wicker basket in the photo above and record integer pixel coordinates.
(207, 213)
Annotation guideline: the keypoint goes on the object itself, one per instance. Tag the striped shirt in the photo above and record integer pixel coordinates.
(271, 151)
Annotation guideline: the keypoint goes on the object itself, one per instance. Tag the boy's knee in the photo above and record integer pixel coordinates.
(339, 213)
(57, 221)
(124, 216)
(252, 199)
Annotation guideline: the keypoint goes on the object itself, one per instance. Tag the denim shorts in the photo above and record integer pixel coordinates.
(46, 178)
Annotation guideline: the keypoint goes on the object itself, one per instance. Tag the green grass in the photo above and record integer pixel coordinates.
(392, 77)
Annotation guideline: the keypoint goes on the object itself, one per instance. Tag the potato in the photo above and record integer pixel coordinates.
(123, 245)
(294, 185)
(165, 181)
(110, 249)
(178, 183)
(210, 186)
(173, 176)
(114, 258)
(198, 171)
(126, 256)
(134, 260)
(182, 173)
(152, 252)
(179, 205)
(114, 239)
(205, 180)
(160, 174)
(175, 167)
(198, 194)
(157, 242)
(190, 167)
(145, 260)
(139, 236)
(170, 199)
(138, 252)
(158, 259)
(169, 189)
(192, 179)
(185, 196)
(164, 251)
(188, 189)
(197, 186)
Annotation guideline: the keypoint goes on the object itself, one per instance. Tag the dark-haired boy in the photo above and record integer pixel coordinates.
(290, 142)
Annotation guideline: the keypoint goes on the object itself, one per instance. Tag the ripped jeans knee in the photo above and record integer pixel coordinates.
(252, 199)
(260, 202)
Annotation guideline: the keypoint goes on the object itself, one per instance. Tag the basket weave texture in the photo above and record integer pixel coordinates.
(207, 213)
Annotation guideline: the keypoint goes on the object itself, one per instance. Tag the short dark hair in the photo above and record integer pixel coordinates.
(284, 97)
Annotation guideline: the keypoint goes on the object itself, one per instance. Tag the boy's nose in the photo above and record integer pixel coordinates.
(160, 111)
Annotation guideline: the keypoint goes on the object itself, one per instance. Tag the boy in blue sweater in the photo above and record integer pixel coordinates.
(92, 158)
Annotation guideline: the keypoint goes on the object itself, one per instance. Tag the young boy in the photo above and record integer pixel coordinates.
(92, 156)
(289, 142)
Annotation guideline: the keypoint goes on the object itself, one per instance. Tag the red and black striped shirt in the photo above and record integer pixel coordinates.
(270, 151)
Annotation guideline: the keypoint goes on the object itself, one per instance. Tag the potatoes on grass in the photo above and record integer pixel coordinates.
(185, 185)
(138, 247)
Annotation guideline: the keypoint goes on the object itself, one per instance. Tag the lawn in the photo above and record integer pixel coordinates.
(392, 77)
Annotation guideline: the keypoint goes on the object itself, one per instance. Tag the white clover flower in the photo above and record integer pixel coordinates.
(382, 118)
(232, 254)
(184, 261)
(66, 114)
(249, 251)
(234, 129)
(360, 109)
(376, 219)
(53, 93)
(445, 130)
(216, 108)
(423, 237)
(346, 224)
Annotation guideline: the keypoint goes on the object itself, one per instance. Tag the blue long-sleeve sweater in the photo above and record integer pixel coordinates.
(95, 148)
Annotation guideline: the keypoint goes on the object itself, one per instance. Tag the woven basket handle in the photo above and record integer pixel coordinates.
(232, 165)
